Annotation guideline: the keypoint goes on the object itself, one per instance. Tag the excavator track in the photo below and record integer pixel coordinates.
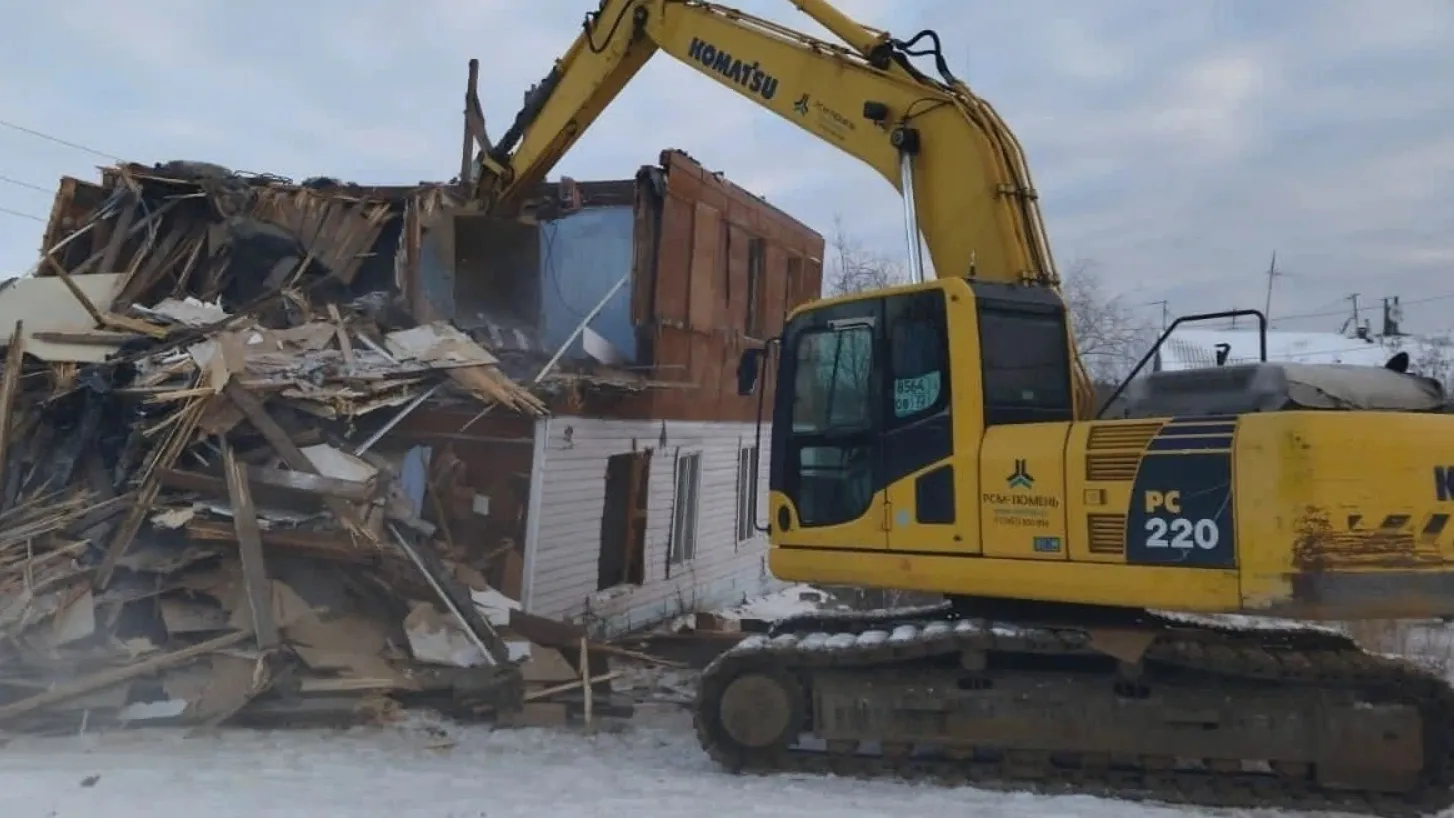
(1206, 715)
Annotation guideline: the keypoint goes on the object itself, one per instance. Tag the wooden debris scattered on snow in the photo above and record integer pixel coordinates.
(195, 524)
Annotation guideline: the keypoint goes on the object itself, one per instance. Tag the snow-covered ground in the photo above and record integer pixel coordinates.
(652, 768)
(790, 601)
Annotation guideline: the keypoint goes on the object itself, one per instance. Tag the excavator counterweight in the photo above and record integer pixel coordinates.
(942, 436)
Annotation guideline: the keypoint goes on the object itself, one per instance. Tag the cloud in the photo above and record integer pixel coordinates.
(1176, 146)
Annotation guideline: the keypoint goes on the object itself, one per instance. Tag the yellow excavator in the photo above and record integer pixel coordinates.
(1099, 565)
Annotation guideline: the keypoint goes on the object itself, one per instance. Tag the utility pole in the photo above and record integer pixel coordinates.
(1272, 274)
(1165, 312)
(1393, 316)
(1165, 322)
(1354, 320)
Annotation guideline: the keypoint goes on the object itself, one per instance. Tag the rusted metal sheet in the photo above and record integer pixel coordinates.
(1378, 565)
(1356, 542)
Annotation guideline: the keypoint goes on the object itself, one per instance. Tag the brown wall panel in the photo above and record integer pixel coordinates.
(698, 322)
(644, 240)
(774, 289)
(702, 284)
(674, 253)
(707, 372)
(673, 365)
(737, 239)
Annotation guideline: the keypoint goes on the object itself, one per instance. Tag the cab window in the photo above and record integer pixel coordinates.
(1025, 361)
(832, 388)
(918, 356)
(830, 458)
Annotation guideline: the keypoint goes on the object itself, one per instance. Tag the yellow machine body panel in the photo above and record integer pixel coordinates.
(1280, 513)
(939, 437)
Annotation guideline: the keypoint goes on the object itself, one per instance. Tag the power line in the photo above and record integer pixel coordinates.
(18, 183)
(1344, 310)
(1272, 274)
(57, 140)
(29, 186)
(20, 215)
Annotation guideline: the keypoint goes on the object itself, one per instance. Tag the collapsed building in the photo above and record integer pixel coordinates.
(353, 445)
(641, 503)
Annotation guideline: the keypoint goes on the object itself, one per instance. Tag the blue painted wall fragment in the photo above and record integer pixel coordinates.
(436, 276)
(582, 256)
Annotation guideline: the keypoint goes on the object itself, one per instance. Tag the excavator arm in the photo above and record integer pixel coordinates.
(971, 189)
(961, 172)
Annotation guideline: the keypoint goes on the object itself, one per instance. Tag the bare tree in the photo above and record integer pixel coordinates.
(1430, 357)
(1108, 333)
(853, 268)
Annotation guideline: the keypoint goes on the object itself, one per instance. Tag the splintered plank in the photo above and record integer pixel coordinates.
(176, 442)
(14, 359)
(275, 483)
(256, 414)
(250, 549)
(456, 598)
(106, 678)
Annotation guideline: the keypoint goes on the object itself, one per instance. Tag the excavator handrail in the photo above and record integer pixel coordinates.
(1166, 333)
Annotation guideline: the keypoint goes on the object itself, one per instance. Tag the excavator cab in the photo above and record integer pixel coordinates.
(876, 389)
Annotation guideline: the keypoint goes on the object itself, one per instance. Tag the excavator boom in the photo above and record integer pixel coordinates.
(975, 201)
(962, 174)
(935, 437)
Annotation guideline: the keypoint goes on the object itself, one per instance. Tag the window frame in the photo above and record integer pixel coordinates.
(747, 489)
(686, 512)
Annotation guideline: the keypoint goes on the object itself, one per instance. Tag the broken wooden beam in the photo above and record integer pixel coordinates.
(106, 678)
(176, 442)
(80, 295)
(456, 598)
(9, 381)
(95, 337)
(256, 414)
(250, 548)
(326, 545)
(274, 484)
(564, 687)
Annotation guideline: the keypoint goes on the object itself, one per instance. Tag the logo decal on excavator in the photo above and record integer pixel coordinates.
(747, 75)
(801, 106)
(1020, 478)
(1444, 483)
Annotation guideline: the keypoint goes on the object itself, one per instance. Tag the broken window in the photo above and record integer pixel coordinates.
(622, 559)
(756, 273)
(684, 508)
(746, 493)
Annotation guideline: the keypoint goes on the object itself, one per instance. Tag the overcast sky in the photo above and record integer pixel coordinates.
(1175, 144)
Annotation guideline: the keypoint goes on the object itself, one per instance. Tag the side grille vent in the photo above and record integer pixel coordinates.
(1114, 449)
(1107, 533)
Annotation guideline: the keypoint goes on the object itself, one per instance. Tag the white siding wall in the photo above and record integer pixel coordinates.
(568, 496)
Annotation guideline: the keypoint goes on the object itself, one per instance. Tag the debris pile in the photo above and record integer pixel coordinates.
(202, 515)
